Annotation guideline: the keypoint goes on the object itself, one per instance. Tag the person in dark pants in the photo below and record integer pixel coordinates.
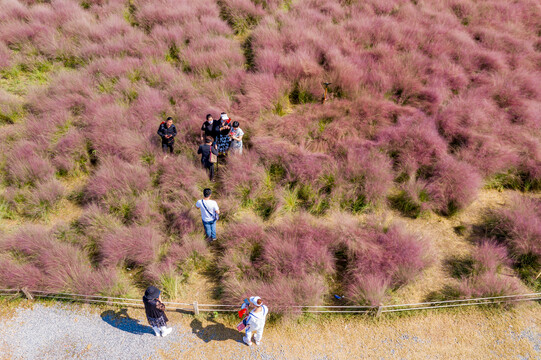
(205, 151)
(167, 132)
(155, 311)
(210, 128)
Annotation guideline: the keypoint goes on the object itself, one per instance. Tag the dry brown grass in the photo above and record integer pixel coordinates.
(446, 242)
(463, 334)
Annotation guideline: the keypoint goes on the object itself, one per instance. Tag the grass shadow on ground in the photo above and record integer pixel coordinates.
(214, 332)
(122, 321)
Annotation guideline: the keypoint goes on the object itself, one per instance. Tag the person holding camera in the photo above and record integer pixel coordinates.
(209, 214)
(167, 131)
(236, 135)
(155, 311)
(255, 321)
(207, 150)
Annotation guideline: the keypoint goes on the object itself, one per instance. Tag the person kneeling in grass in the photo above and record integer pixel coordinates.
(255, 321)
(155, 311)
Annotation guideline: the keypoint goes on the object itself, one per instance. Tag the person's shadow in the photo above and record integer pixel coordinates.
(122, 321)
(214, 332)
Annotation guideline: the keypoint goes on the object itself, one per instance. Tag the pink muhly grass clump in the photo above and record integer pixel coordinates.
(369, 172)
(490, 257)
(117, 179)
(280, 294)
(243, 172)
(248, 231)
(38, 202)
(63, 267)
(452, 186)
(488, 284)
(25, 166)
(14, 275)
(130, 246)
(71, 153)
(297, 247)
(517, 226)
(370, 289)
(146, 212)
(181, 181)
(262, 91)
(287, 264)
(414, 142)
(382, 259)
(5, 56)
(179, 219)
(95, 223)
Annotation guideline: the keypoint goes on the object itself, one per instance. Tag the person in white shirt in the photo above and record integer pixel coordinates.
(255, 321)
(209, 214)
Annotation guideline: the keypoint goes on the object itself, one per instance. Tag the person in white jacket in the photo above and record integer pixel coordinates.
(255, 321)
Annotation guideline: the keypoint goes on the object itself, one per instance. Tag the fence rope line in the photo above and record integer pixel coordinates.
(465, 300)
(457, 305)
(195, 307)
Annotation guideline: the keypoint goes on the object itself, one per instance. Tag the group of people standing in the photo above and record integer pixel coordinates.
(253, 323)
(218, 138)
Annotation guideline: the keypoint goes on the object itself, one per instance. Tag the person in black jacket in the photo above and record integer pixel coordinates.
(155, 311)
(210, 127)
(167, 132)
(205, 151)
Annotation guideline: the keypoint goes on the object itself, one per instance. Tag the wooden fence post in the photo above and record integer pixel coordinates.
(27, 294)
(195, 308)
(378, 313)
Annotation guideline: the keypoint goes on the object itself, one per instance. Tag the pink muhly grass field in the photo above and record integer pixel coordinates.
(422, 112)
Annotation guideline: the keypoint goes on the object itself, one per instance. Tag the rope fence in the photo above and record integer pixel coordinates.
(196, 308)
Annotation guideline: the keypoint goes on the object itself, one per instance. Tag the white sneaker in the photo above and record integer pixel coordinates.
(249, 343)
(166, 332)
(258, 342)
(157, 331)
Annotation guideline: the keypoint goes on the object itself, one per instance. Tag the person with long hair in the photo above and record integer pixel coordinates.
(155, 311)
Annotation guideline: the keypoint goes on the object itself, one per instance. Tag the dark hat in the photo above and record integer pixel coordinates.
(152, 292)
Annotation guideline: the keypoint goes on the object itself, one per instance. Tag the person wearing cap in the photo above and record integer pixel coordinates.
(236, 135)
(255, 321)
(223, 134)
(155, 311)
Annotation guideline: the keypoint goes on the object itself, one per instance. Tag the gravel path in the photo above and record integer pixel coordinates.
(60, 332)
(63, 331)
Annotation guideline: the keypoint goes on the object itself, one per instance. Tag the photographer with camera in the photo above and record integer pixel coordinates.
(209, 214)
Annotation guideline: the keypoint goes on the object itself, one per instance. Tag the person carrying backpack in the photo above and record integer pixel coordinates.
(167, 132)
(209, 214)
(207, 160)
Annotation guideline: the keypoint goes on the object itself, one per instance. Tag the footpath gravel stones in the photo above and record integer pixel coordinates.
(63, 332)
